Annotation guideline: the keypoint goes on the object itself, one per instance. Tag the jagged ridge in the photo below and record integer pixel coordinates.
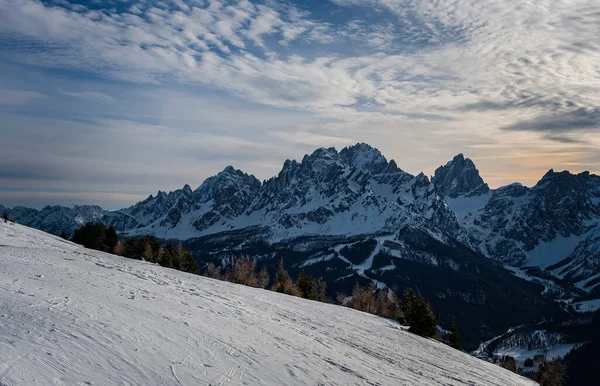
(356, 191)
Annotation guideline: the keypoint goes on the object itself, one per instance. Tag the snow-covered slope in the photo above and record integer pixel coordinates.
(552, 225)
(71, 316)
(582, 266)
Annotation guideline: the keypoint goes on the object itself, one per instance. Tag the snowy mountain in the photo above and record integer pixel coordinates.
(353, 216)
(70, 315)
(351, 192)
(56, 219)
(552, 225)
(356, 191)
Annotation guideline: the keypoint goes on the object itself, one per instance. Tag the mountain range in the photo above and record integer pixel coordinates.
(352, 215)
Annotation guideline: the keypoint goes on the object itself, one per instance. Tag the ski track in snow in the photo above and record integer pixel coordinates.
(366, 264)
(73, 316)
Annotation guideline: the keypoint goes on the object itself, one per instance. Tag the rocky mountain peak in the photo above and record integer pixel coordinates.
(161, 195)
(229, 178)
(459, 177)
(322, 152)
(187, 191)
(320, 160)
(362, 156)
(565, 181)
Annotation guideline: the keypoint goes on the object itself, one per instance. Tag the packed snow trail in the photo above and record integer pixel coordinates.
(73, 316)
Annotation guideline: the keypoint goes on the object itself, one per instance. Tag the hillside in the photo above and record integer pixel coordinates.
(353, 216)
(69, 315)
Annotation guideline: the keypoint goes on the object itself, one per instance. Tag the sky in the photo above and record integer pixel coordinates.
(105, 102)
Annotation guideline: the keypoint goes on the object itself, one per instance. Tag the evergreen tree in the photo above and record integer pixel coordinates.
(409, 300)
(306, 286)
(64, 235)
(178, 257)
(423, 322)
(95, 236)
(91, 235)
(509, 363)
(110, 239)
(187, 262)
(130, 249)
(166, 258)
(454, 337)
(551, 373)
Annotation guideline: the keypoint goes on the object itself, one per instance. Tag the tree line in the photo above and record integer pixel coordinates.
(411, 310)
(546, 372)
(101, 238)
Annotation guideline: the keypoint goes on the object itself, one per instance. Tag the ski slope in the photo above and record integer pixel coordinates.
(73, 316)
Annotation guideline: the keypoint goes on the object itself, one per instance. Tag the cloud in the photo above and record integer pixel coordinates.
(497, 45)
(400, 74)
(19, 97)
(581, 119)
(89, 95)
(458, 56)
(160, 140)
(313, 139)
(266, 22)
(564, 139)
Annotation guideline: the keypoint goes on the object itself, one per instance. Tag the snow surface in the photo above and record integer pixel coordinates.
(521, 353)
(582, 284)
(546, 254)
(368, 263)
(587, 305)
(69, 315)
(465, 207)
(549, 285)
